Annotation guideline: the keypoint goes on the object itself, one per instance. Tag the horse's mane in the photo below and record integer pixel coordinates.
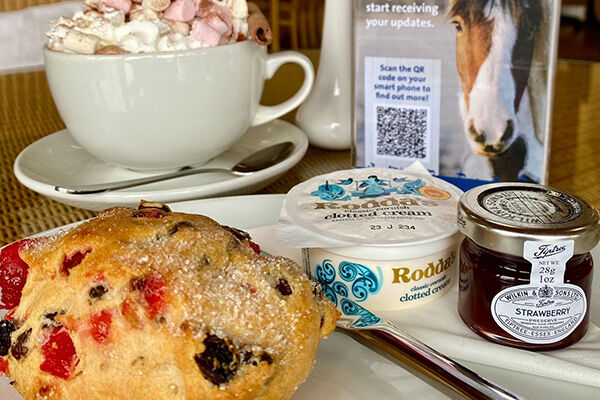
(526, 13)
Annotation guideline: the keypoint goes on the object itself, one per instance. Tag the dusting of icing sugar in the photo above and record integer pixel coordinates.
(215, 283)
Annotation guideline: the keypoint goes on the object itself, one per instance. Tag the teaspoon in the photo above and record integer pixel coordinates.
(257, 161)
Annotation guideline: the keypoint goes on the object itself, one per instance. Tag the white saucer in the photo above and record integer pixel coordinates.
(58, 160)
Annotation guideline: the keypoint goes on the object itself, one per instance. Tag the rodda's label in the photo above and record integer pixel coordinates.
(362, 284)
(375, 206)
(548, 309)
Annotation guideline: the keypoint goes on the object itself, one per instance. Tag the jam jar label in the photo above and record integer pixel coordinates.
(547, 310)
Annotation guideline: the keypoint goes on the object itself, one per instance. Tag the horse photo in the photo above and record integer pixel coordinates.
(502, 48)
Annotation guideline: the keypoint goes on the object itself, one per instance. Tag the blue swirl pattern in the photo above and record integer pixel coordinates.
(364, 282)
(366, 318)
(368, 283)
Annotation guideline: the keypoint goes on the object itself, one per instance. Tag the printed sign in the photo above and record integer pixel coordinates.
(463, 86)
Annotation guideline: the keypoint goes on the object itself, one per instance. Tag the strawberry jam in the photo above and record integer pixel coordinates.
(154, 292)
(13, 274)
(526, 271)
(100, 326)
(60, 357)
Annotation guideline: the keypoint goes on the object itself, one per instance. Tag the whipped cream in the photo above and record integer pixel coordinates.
(146, 26)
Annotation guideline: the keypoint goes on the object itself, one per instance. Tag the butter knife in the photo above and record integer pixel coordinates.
(440, 371)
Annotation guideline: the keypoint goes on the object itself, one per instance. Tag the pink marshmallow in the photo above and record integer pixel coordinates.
(219, 25)
(181, 10)
(207, 8)
(204, 33)
(225, 14)
(123, 5)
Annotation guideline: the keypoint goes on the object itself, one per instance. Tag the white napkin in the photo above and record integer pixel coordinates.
(439, 325)
(23, 34)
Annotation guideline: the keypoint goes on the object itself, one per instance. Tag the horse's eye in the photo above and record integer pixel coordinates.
(457, 26)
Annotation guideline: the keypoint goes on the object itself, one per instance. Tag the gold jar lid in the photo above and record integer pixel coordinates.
(503, 216)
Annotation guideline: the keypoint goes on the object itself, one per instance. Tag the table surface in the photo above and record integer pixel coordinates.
(27, 113)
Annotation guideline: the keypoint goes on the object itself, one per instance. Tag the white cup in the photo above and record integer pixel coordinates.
(162, 111)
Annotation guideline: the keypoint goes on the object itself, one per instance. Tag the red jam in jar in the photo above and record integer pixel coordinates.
(525, 264)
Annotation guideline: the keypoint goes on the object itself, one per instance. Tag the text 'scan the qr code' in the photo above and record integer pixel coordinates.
(403, 132)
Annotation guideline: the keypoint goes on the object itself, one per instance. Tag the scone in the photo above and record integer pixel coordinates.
(153, 304)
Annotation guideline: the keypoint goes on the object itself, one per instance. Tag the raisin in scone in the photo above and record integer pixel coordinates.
(153, 304)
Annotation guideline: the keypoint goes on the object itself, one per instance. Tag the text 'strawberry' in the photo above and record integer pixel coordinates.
(154, 292)
(13, 274)
(70, 262)
(100, 326)
(60, 357)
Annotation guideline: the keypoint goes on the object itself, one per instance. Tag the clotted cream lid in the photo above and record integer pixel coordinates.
(375, 207)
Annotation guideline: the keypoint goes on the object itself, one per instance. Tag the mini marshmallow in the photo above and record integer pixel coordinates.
(181, 10)
(139, 25)
(163, 27)
(219, 25)
(138, 15)
(156, 5)
(111, 49)
(64, 21)
(239, 9)
(117, 18)
(207, 9)
(179, 27)
(123, 5)
(150, 15)
(172, 42)
(204, 33)
(81, 43)
(145, 31)
(131, 43)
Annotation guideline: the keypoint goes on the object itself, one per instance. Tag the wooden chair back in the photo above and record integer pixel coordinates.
(14, 5)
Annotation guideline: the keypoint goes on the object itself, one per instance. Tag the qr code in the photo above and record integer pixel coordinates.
(402, 132)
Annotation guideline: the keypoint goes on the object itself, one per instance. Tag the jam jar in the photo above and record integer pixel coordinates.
(525, 265)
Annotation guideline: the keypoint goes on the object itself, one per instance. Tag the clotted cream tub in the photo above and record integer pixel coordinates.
(375, 239)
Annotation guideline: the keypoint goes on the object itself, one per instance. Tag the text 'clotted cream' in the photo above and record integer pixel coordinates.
(375, 239)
